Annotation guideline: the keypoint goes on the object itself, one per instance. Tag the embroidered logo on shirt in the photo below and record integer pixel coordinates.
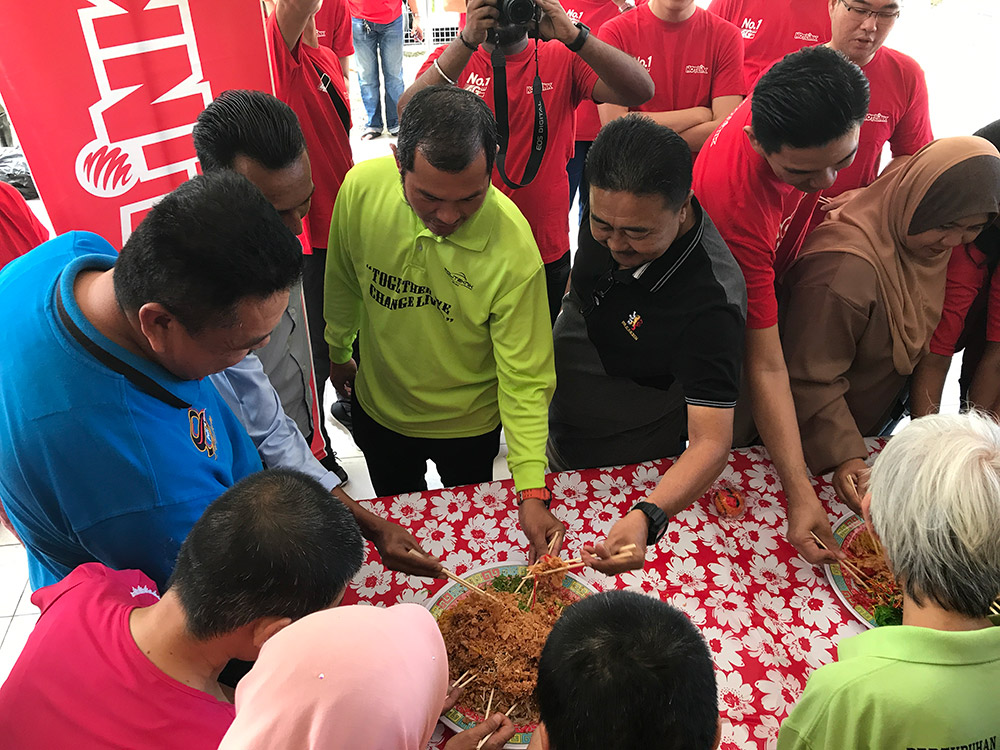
(477, 84)
(632, 323)
(876, 117)
(140, 590)
(701, 69)
(458, 279)
(202, 432)
(805, 36)
(749, 29)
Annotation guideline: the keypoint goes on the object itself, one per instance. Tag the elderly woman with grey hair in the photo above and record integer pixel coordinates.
(933, 681)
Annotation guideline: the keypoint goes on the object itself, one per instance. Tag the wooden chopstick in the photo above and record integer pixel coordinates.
(468, 681)
(459, 679)
(456, 579)
(855, 571)
(507, 713)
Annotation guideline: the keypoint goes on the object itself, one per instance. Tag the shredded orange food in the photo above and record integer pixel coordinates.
(864, 553)
(502, 644)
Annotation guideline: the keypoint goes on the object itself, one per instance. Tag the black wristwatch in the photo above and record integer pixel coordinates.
(657, 522)
(577, 44)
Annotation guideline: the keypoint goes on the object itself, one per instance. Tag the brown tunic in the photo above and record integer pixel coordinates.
(838, 347)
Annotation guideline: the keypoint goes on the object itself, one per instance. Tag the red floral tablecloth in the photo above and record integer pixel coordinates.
(769, 617)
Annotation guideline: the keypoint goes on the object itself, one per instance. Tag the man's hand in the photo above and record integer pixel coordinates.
(806, 517)
(400, 551)
(541, 527)
(832, 204)
(847, 480)
(555, 23)
(416, 30)
(632, 529)
(501, 727)
(342, 377)
(480, 17)
(452, 698)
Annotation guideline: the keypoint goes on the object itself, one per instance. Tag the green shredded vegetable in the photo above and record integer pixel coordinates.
(886, 615)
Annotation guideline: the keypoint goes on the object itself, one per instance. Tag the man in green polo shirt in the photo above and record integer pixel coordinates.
(931, 682)
(440, 274)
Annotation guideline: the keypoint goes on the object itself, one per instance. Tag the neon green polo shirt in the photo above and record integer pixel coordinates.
(902, 687)
(455, 331)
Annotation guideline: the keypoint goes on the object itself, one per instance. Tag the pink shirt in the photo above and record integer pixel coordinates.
(82, 683)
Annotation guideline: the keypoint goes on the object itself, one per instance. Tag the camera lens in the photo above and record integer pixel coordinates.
(517, 12)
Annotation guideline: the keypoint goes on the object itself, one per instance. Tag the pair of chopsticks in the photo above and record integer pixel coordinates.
(489, 707)
(849, 566)
(459, 682)
(577, 562)
(456, 579)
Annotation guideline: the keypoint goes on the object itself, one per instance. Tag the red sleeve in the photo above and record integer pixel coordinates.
(728, 78)
(993, 309)
(20, 229)
(342, 36)
(283, 61)
(966, 276)
(913, 131)
(430, 60)
(609, 33)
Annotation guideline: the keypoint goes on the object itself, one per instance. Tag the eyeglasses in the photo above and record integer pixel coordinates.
(864, 13)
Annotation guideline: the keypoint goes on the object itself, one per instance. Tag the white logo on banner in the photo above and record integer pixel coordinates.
(108, 169)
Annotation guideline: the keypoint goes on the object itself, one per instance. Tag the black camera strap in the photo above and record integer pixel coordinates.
(540, 133)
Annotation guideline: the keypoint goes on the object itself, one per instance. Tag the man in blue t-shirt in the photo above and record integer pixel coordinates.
(114, 440)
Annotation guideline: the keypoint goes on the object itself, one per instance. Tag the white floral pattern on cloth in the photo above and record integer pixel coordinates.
(769, 617)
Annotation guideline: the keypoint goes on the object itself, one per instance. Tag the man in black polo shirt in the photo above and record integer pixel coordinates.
(650, 339)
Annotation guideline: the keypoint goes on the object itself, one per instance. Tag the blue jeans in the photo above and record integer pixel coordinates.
(372, 41)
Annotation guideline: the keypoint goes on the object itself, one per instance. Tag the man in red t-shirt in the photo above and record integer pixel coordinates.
(594, 14)
(773, 28)
(20, 229)
(580, 67)
(779, 148)
(333, 30)
(309, 79)
(695, 60)
(378, 29)
(110, 664)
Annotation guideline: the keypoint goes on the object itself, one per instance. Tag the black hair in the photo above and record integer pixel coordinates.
(209, 244)
(635, 155)
(449, 126)
(621, 670)
(250, 123)
(276, 544)
(808, 99)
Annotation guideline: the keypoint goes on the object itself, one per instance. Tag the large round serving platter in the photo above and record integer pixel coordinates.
(854, 598)
(460, 718)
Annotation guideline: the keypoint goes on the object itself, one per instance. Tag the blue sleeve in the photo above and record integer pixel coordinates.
(248, 392)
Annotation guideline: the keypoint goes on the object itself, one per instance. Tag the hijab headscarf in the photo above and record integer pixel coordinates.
(359, 677)
(947, 180)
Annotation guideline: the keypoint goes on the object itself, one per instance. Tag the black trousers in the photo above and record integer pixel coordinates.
(313, 278)
(556, 276)
(397, 463)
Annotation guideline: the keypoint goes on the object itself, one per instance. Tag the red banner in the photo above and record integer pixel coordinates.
(103, 95)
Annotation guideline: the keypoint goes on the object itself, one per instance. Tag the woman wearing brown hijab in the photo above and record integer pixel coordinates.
(859, 305)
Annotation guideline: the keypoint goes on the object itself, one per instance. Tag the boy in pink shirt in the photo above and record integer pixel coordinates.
(111, 664)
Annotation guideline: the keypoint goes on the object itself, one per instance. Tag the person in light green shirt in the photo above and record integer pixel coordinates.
(440, 274)
(931, 682)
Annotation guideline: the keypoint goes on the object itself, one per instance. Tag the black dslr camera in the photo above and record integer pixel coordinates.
(517, 12)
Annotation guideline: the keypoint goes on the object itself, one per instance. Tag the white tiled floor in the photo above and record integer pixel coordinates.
(954, 40)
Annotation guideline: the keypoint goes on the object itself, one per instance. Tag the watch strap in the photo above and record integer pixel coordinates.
(577, 44)
(658, 521)
(535, 493)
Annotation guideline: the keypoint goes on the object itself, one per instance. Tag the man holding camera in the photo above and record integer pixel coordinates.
(581, 67)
